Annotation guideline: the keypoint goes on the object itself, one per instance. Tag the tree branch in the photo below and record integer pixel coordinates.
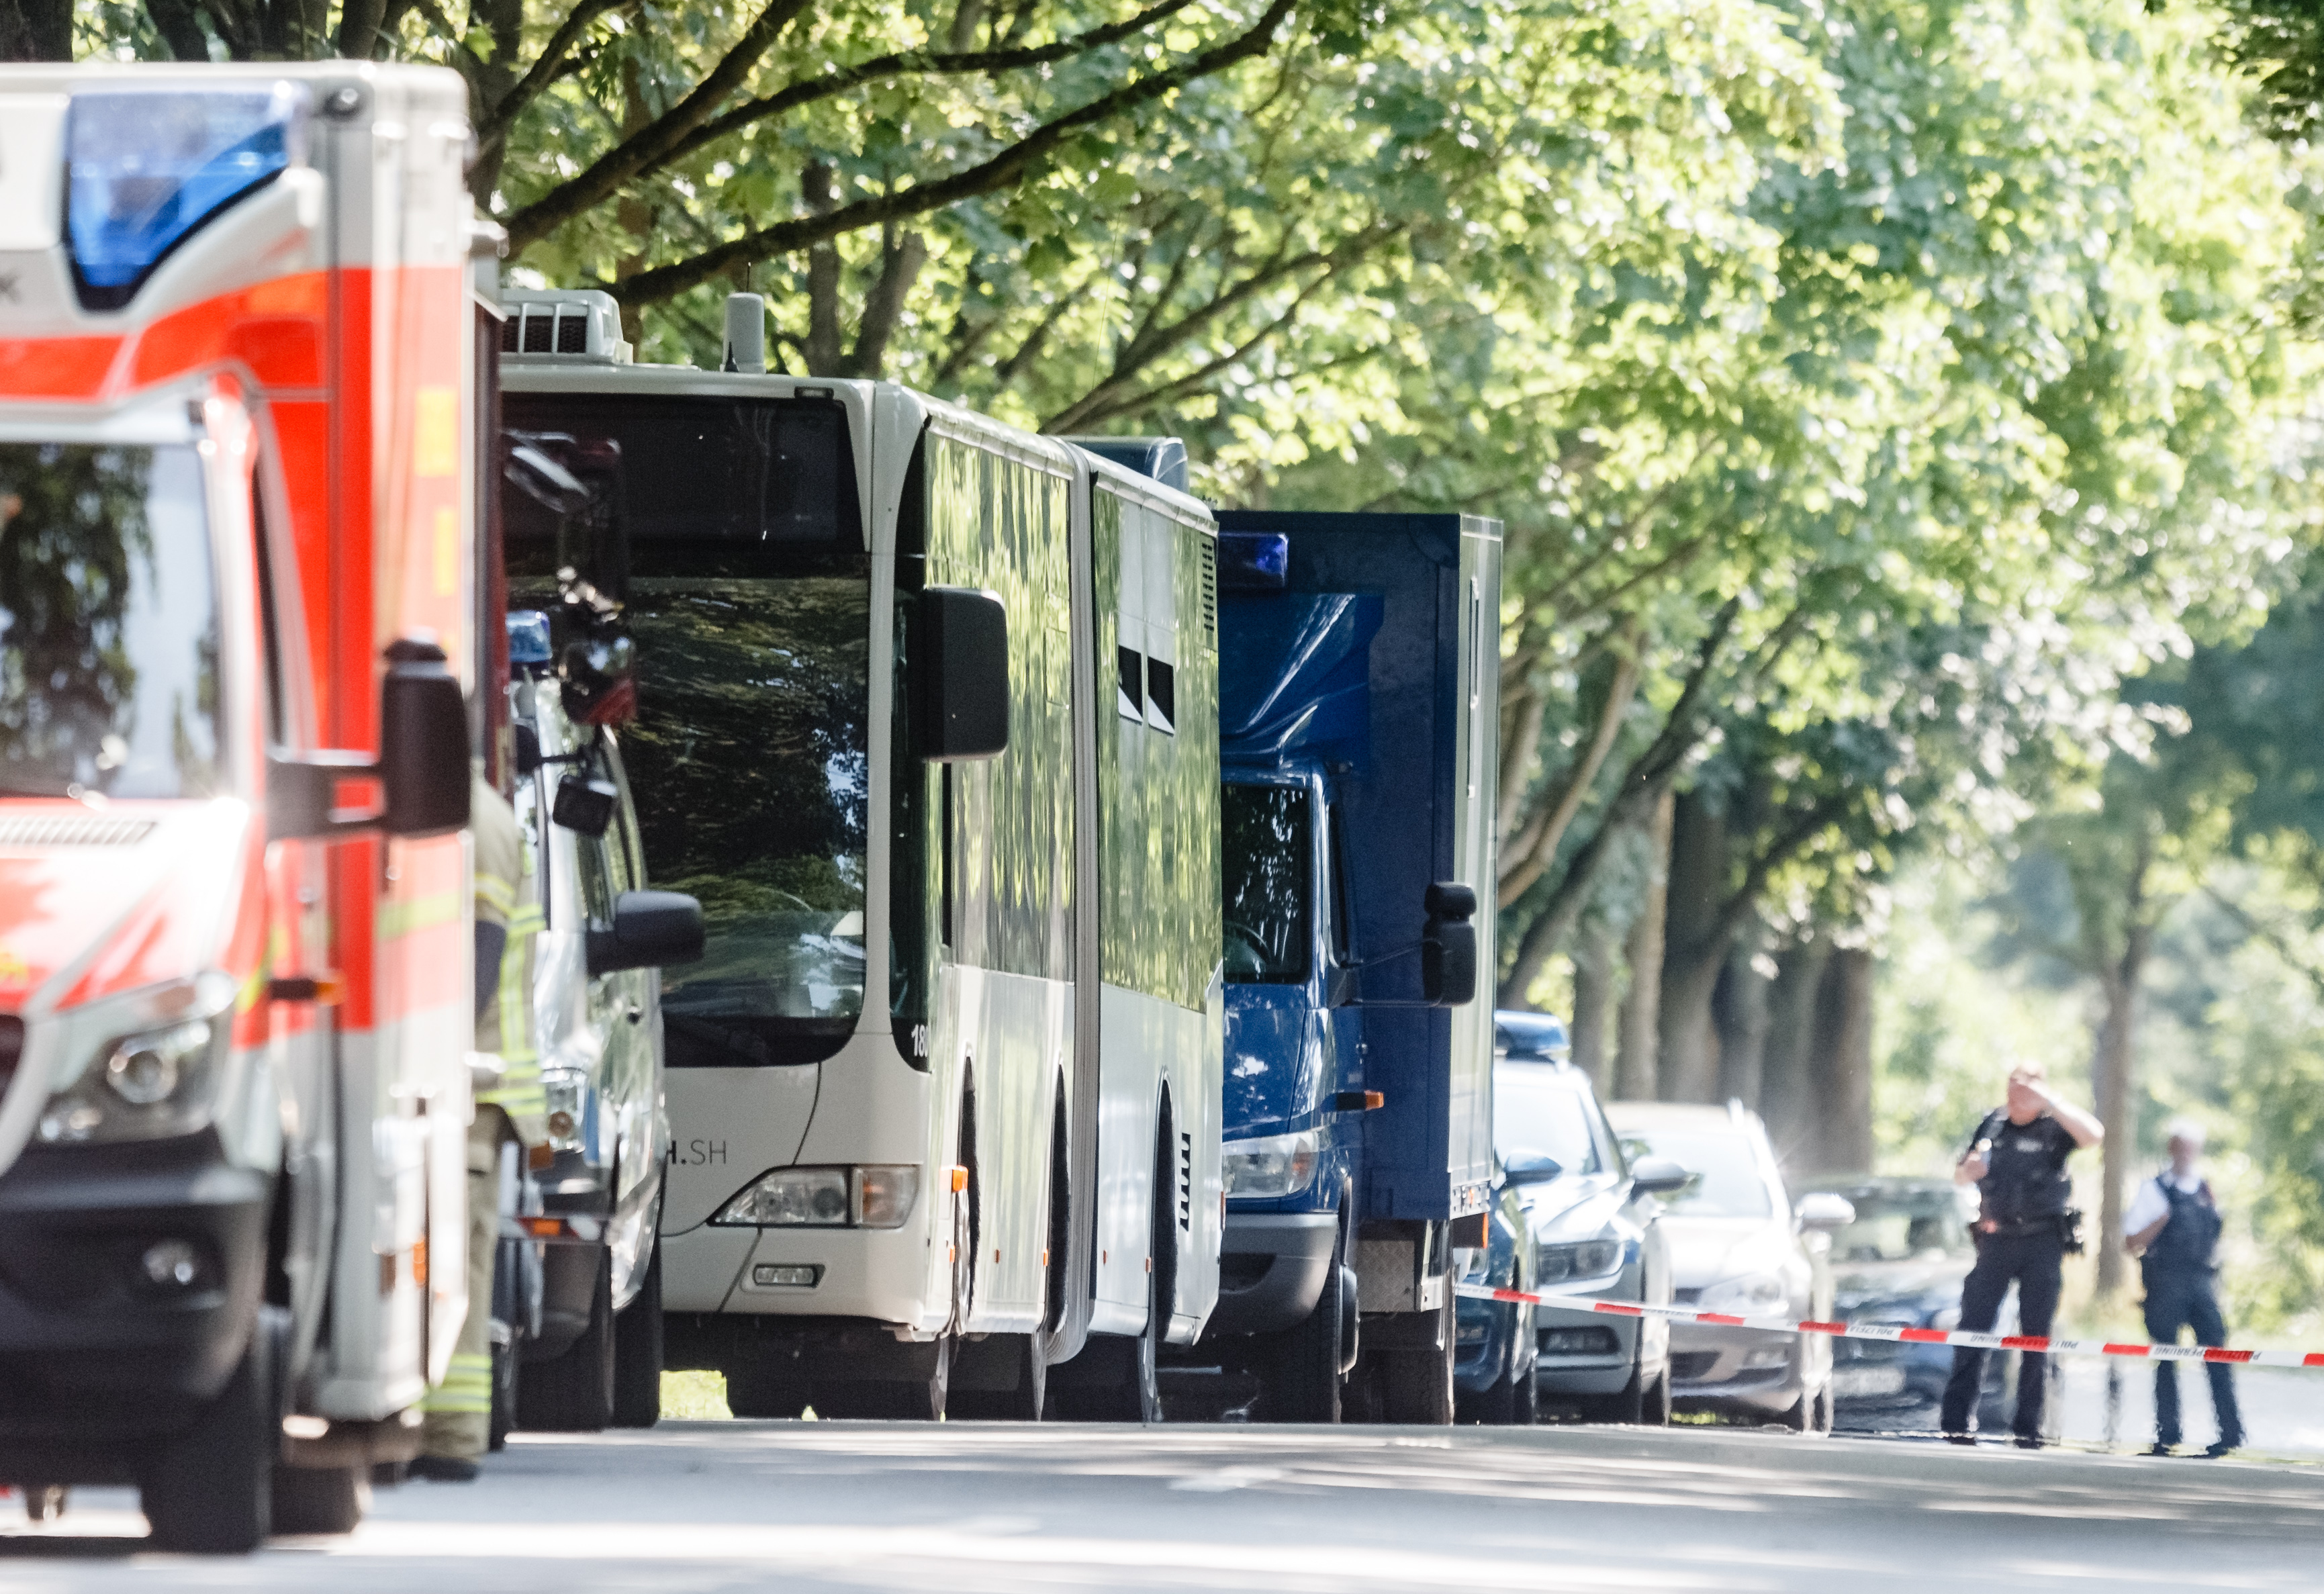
(653, 141)
(665, 282)
(1540, 849)
(545, 70)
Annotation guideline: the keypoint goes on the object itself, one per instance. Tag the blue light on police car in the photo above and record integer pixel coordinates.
(1254, 558)
(146, 168)
(528, 636)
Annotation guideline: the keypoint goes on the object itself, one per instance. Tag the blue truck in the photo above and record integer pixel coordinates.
(1359, 672)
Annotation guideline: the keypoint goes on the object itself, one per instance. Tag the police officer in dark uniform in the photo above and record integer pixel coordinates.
(2018, 1161)
(2172, 1227)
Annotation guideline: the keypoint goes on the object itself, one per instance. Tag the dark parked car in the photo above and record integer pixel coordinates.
(1901, 1264)
(1492, 1370)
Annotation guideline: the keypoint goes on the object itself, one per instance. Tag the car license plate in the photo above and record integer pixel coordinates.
(1859, 1381)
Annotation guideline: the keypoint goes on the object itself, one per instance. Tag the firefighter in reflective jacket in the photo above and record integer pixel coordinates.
(509, 1106)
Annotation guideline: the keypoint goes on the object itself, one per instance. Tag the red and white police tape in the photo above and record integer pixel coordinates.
(2046, 1345)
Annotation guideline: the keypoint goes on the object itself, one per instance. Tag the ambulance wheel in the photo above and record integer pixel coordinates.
(574, 1393)
(208, 1492)
(637, 1353)
(321, 1499)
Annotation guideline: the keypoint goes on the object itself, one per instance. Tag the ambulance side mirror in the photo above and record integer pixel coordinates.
(423, 742)
(422, 767)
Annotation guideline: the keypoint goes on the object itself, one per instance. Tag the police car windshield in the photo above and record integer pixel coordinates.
(730, 528)
(1267, 862)
(108, 623)
(1539, 1112)
(1728, 1182)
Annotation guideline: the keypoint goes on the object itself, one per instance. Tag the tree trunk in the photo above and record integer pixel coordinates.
(1840, 1066)
(1787, 1095)
(36, 30)
(1739, 1008)
(2111, 1068)
(1695, 948)
(1593, 1001)
(1637, 1063)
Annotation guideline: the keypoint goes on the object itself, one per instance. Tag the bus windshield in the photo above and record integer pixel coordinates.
(1267, 866)
(108, 623)
(730, 529)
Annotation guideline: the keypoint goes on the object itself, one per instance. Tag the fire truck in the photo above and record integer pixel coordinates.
(243, 578)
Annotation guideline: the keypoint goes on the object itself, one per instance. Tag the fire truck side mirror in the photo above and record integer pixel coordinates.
(961, 670)
(423, 742)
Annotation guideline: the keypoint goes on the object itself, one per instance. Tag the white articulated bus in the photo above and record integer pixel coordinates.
(944, 1091)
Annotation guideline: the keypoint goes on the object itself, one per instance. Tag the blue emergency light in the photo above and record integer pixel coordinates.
(145, 169)
(1254, 558)
(528, 636)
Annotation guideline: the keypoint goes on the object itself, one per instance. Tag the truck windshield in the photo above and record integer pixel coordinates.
(108, 623)
(1266, 867)
(730, 528)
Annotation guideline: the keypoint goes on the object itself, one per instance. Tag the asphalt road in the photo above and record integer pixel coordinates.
(696, 1506)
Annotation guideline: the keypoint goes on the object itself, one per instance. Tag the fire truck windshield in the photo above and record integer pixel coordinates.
(108, 623)
(728, 527)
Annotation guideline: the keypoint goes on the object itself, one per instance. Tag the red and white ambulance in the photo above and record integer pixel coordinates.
(242, 573)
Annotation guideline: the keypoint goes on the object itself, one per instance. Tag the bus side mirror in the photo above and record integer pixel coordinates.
(961, 675)
(1448, 950)
(423, 742)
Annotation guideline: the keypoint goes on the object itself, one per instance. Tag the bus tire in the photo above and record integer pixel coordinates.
(574, 1393)
(1005, 1376)
(210, 1492)
(757, 1392)
(890, 1400)
(637, 1352)
(1117, 1378)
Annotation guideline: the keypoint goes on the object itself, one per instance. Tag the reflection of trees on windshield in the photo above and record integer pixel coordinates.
(108, 636)
(1265, 861)
(749, 753)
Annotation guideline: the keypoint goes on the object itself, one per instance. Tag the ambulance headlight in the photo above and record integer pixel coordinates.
(874, 1197)
(148, 1082)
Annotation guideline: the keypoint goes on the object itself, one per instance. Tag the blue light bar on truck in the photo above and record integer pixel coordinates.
(1254, 558)
(145, 169)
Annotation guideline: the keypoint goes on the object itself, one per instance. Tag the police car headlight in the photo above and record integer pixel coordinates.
(1269, 1165)
(152, 1081)
(1749, 1294)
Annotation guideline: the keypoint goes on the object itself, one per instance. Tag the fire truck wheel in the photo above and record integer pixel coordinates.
(574, 1393)
(207, 1492)
(637, 1353)
(321, 1499)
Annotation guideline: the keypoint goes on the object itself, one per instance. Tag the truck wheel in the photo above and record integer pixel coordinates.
(1416, 1380)
(208, 1492)
(637, 1352)
(756, 1392)
(574, 1393)
(1306, 1370)
(321, 1499)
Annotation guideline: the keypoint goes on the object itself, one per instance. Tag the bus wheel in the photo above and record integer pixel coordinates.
(321, 1499)
(757, 1392)
(999, 1378)
(890, 1400)
(209, 1493)
(1115, 1378)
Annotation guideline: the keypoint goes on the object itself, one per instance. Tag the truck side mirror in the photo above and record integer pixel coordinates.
(1448, 950)
(650, 929)
(423, 742)
(960, 671)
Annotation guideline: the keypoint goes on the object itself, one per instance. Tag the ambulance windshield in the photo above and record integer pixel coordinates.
(730, 528)
(108, 623)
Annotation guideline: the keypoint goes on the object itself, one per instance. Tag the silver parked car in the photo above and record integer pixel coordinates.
(583, 1293)
(1592, 1213)
(1739, 1246)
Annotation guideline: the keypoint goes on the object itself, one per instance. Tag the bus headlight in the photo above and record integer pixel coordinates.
(874, 1197)
(1269, 1165)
